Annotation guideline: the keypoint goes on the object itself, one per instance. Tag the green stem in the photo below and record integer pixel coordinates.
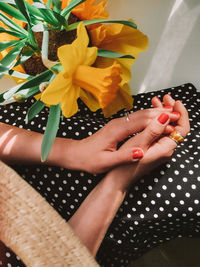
(45, 44)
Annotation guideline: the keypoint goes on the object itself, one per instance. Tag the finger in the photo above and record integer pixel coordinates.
(183, 124)
(122, 156)
(156, 103)
(155, 129)
(169, 129)
(152, 132)
(168, 100)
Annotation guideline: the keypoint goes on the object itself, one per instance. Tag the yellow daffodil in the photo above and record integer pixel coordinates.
(89, 10)
(79, 79)
(118, 38)
(124, 40)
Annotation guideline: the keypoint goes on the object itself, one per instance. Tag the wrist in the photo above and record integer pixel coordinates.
(64, 153)
(122, 177)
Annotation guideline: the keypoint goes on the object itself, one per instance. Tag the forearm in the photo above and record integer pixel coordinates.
(94, 216)
(19, 145)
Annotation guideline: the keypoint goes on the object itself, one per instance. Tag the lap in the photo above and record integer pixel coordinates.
(158, 208)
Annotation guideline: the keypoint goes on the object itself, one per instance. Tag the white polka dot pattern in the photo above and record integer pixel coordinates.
(159, 207)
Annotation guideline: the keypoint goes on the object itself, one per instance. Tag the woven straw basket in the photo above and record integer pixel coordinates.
(31, 228)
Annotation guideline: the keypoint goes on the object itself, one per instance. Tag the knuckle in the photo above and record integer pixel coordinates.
(154, 132)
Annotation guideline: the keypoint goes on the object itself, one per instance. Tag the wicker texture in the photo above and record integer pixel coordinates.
(31, 228)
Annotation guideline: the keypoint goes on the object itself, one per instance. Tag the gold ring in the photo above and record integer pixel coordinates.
(176, 136)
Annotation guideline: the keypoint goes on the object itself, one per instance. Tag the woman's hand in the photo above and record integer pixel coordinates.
(91, 221)
(98, 153)
(157, 148)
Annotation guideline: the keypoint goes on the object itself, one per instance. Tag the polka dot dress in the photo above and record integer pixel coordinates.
(161, 206)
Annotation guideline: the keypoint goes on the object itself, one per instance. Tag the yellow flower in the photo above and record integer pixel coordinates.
(89, 10)
(124, 40)
(79, 79)
(118, 38)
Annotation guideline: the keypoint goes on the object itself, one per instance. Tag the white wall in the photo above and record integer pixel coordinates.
(173, 28)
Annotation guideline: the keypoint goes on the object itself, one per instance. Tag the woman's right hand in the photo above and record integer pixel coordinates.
(157, 148)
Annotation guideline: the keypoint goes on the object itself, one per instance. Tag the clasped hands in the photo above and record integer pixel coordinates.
(98, 153)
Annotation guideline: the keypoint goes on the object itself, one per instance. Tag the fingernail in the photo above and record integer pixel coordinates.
(163, 118)
(157, 98)
(176, 113)
(137, 154)
(167, 107)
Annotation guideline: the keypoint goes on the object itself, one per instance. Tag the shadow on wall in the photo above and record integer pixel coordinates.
(169, 26)
(192, 69)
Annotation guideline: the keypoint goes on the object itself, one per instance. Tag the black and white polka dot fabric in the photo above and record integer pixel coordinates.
(161, 206)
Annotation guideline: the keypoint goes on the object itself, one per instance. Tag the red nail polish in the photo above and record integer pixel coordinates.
(176, 113)
(167, 107)
(137, 154)
(157, 98)
(163, 118)
(172, 127)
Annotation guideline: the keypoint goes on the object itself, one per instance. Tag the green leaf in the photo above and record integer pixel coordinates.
(112, 54)
(22, 8)
(11, 2)
(11, 24)
(13, 12)
(49, 2)
(9, 93)
(24, 57)
(21, 5)
(60, 18)
(5, 45)
(42, 77)
(57, 68)
(57, 5)
(13, 33)
(26, 93)
(45, 13)
(71, 5)
(51, 131)
(34, 110)
(18, 74)
(9, 59)
(94, 21)
(3, 68)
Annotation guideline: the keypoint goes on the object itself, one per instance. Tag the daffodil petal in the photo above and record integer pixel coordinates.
(121, 39)
(90, 10)
(69, 104)
(53, 94)
(91, 55)
(121, 101)
(77, 53)
(82, 39)
(89, 100)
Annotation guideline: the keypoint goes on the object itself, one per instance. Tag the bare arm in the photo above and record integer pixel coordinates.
(96, 154)
(94, 216)
(19, 145)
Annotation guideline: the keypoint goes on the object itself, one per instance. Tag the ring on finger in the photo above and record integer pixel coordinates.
(127, 117)
(176, 136)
